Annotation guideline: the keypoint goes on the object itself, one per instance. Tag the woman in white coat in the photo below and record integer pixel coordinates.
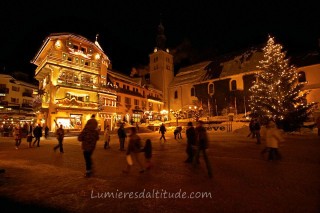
(273, 137)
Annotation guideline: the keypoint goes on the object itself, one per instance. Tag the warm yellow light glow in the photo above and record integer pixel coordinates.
(97, 56)
(58, 44)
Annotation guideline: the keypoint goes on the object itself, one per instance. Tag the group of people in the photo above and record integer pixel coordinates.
(32, 132)
(273, 137)
(90, 135)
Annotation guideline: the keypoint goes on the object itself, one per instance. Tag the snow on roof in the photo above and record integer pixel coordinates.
(193, 68)
(191, 74)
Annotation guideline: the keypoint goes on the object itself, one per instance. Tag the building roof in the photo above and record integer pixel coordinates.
(191, 74)
(23, 83)
(65, 34)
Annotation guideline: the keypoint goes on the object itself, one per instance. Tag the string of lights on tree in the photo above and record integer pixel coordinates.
(276, 93)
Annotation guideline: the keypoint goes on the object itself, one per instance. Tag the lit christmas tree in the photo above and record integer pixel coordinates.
(277, 94)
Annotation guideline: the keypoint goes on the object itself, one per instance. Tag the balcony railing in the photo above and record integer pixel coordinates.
(54, 58)
(25, 105)
(129, 92)
(73, 103)
(4, 90)
(4, 103)
(27, 94)
(154, 98)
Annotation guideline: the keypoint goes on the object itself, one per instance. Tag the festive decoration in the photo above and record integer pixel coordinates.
(37, 102)
(276, 93)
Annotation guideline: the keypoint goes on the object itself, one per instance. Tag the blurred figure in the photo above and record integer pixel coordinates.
(89, 137)
(256, 129)
(177, 132)
(60, 136)
(106, 137)
(202, 145)
(17, 134)
(273, 137)
(251, 128)
(134, 150)
(191, 141)
(122, 136)
(162, 130)
(148, 153)
(46, 131)
(37, 132)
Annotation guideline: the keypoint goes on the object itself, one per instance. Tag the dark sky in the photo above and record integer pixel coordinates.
(127, 29)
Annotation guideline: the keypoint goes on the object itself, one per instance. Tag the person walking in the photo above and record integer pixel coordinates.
(191, 140)
(162, 130)
(257, 128)
(148, 153)
(202, 146)
(251, 128)
(134, 150)
(273, 137)
(106, 137)
(46, 132)
(60, 136)
(37, 132)
(17, 134)
(122, 136)
(89, 137)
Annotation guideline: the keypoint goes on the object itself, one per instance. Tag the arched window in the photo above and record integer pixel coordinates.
(210, 89)
(175, 94)
(233, 85)
(302, 77)
(192, 91)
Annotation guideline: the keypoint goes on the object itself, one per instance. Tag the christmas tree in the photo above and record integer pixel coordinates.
(276, 93)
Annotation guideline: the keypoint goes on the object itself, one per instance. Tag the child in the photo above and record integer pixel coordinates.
(107, 138)
(148, 153)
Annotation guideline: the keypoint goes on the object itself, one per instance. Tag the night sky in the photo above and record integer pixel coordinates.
(128, 29)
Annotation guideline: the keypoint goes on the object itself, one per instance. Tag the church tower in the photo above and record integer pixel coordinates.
(161, 66)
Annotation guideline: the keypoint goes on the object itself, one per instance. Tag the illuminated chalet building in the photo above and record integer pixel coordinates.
(137, 100)
(72, 72)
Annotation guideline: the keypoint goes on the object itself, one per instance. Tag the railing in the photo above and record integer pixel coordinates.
(4, 103)
(154, 98)
(4, 90)
(26, 105)
(27, 94)
(129, 92)
(65, 102)
(71, 64)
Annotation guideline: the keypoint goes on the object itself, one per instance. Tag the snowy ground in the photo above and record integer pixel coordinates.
(40, 180)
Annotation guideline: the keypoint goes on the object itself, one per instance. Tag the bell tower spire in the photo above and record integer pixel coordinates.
(161, 66)
(161, 37)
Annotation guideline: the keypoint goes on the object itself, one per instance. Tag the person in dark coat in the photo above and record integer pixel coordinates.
(46, 132)
(60, 136)
(148, 153)
(162, 130)
(37, 132)
(257, 128)
(191, 141)
(122, 136)
(134, 150)
(251, 128)
(202, 146)
(89, 137)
